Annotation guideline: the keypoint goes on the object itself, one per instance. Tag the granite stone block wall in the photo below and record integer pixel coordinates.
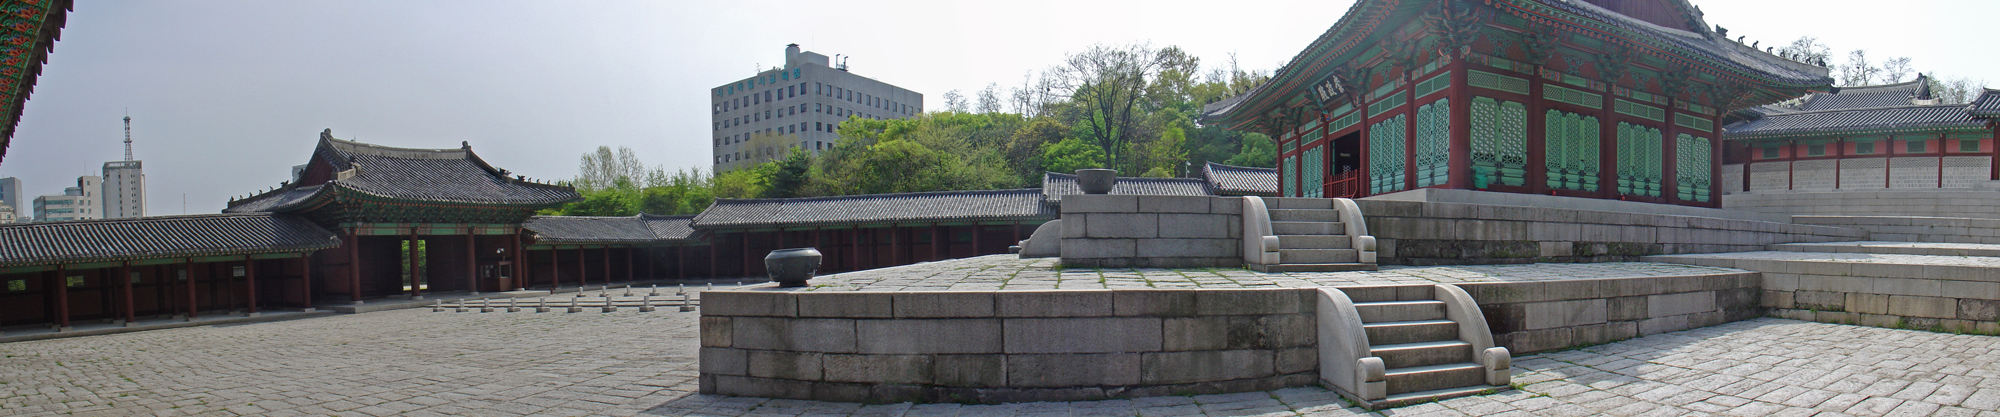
(1005, 346)
(1963, 298)
(1982, 202)
(1434, 233)
(1124, 231)
(1528, 317)
(1961, 229)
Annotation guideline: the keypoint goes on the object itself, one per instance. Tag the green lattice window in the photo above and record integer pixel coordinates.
(1914, 146)
(17, 285)
(73, 281)
(1433, 143)
(1485, 79)
(1288, 184)
(1572, 96)
(1864, 148)
(1817, 149)
(1385, 155)
(1570, 143)
(1968, 145)
(1499, 142)
(1313, 168)
(1639, 160)
(1693, 171)
(1771, 151)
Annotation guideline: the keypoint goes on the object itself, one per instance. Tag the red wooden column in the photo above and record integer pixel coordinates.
(190, 289)
(125, 278)
(711, 255)
(354, 265)
(976, 236)
(582, 270)
(416, 279)
(306, 280)
(1459, 140)
(1607, 145)
(854, 246)
(630, 273)
(1409, 91)
(680, 261)
(1994, 139)
(1670, 154)
(894, 258)
(1888, 161)
(607, 265)
(746, 255)
(555, 270)
(250, 282)
(651, 272)
(520, 263)
(937, 242)
(472, 262)
(62, 298)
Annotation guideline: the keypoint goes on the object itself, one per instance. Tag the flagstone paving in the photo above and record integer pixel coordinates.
(418, 362)
(1007, 272)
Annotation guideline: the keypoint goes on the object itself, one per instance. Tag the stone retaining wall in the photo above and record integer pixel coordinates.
(1010, 346)
(1981, 202)
(1931, 297)
(1146, 231)
(1431, 233)
(1920, 229)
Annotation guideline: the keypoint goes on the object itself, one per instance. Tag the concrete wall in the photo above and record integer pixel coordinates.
(1005, 346)
(1011, 346)
(1918, 229)
(1145, 231)
(1962, 298)
(1434, 233)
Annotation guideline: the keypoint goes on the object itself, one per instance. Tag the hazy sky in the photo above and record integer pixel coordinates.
(225, 96)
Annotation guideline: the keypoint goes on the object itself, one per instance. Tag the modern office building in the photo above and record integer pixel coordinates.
(81, 202)
(10, 195)
(124, 194)
(7, 214)
(797, 106)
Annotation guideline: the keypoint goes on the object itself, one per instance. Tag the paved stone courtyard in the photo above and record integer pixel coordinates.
(1007, 272)
(417, 362)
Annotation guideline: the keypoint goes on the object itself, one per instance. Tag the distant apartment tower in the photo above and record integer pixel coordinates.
(10, 195)
(124, 192)
(797, 106)
(75, 203)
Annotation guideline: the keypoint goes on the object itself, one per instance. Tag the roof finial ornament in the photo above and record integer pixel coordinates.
(326, 134)
(1722, 31)
(465, 144)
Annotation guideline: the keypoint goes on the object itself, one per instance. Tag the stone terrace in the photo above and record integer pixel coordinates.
(1006, 272)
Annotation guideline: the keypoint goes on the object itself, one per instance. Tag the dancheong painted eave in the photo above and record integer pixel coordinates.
(28, 33)
(1769, 78)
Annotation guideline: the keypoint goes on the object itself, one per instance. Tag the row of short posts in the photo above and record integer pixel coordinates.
(542, 305)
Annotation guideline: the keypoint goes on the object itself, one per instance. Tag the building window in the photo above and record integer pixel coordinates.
(1968, 145)
(1816, 150)
(73, 281)
(1864, 148)
(819, 88)
(1914, 146)
(816, 108)
(1770, 152)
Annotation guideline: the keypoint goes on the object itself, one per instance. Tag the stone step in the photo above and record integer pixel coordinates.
(1411, 355)
(1420, 397)
(1386, 311)
(1308, 228)
(1400, 332)
(1304, 215)
(1312, 267)
(1390, 293)
(1436, 377)
(1298, 203)
(1315, 242)
(1894, 248)
(1318, 256)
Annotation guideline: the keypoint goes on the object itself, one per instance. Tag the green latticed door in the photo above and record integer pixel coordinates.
(1385, 155)
(1313, 169)
(1433, 143)
(1570, 143)
(1288, 184)
(1499, 142)
(1692, 168)
(1640, 151)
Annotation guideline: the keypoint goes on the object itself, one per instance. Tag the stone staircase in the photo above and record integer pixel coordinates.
(1310, 235)
(1417, 344)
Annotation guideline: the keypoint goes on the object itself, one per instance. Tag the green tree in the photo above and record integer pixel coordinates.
(1070, 155)
(1258, 151)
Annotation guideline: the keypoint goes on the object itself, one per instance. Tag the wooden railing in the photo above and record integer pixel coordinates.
(1344, 185)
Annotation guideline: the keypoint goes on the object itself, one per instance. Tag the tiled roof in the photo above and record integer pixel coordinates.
(1235, 180)
(942, 206)
(644, 228)
(426, 175)
(159, 237)
(1055, 185)
(1881, 119)
(1987, 105)
(31, 31)
(1891, 95)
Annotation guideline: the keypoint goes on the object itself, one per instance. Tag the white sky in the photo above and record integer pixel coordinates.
(225, 96)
